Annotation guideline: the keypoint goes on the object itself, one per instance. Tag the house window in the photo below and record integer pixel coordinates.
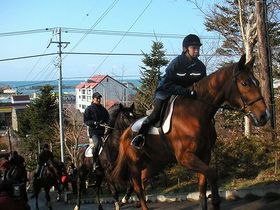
(89, 98)
(83, 91)
(83, 106)
(79, 97)
(83, 98)
(80, 105)
(89, 91)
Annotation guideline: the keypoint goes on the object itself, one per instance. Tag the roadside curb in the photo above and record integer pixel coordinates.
(193, 196)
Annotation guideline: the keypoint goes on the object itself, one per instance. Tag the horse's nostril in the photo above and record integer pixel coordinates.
(263, 118)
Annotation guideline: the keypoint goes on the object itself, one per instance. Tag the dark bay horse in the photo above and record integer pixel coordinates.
(120, 118)
(50, 177)
(192, 135)
(13, 194)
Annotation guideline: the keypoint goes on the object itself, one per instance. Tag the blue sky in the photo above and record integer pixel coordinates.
(162, 16)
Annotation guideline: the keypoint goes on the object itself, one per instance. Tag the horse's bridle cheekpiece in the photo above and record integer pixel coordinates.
(245, 103)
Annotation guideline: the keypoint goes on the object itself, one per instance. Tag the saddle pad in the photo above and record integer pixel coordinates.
(88, 152)
(153, 130)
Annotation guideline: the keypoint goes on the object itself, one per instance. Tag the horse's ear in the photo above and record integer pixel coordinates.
(251, 62)
(120, 105)
(242, 62)
(132, 106)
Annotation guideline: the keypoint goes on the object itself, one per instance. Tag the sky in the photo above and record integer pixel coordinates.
(178, 17)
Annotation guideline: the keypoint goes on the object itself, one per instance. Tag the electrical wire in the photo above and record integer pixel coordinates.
(96, 23)
(25, 57)
(139, 16)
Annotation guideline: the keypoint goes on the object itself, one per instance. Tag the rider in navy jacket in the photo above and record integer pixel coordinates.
(94, 115)
(180, 74)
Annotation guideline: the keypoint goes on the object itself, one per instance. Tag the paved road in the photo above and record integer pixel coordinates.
(253, 203)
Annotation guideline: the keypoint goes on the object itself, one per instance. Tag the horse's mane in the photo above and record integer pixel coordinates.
(226, 68)
(113, 113)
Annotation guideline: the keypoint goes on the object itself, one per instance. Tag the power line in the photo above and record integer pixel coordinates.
(105, 32)
(133, 34)
(25, 57)
(131, 54)
(139, 16)
(96, 23)
(95, 53)
(16, 33)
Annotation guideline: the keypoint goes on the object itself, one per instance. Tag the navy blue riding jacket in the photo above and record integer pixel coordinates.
(179, 75)
(93, 116)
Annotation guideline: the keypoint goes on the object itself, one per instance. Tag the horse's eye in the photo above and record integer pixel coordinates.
(244, 83)
(131, 114)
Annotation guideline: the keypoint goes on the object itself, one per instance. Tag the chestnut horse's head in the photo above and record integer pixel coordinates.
(246, 93)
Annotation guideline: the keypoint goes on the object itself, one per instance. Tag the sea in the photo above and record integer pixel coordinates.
(31, 87)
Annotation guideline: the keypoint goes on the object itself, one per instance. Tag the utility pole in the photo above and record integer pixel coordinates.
(60, 93)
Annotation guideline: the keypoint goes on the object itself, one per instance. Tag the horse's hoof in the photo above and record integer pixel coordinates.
(58, 198)
(76, 207)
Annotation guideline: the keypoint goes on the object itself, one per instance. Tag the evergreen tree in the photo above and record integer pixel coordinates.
(37, 122)
(150, 75)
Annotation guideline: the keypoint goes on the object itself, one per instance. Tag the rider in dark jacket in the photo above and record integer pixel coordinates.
(180, 74)
(43, 158)
(94, 116)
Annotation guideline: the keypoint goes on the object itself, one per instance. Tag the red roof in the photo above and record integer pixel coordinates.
(94, 81)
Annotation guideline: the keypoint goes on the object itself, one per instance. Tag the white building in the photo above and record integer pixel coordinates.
(112, 91)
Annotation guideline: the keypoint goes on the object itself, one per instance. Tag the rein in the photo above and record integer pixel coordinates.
(230, 107)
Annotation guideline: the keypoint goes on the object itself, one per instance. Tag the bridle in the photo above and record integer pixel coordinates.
(245, 103)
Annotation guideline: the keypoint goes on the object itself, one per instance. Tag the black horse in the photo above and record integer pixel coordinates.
(120, 118)
(50, 176)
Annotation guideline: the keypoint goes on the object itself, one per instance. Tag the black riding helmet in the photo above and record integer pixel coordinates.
(46, 146)
(190, 40)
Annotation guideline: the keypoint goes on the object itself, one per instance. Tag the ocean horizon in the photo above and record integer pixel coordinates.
(31, 87)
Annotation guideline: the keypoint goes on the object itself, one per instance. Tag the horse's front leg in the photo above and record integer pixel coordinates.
(115, 194)
(202, 185)
(36, 197)
(191, 161)
(138, 189)
(79, 192)
(59, 190)
(98, 187)
(129, 191)
(48, 198)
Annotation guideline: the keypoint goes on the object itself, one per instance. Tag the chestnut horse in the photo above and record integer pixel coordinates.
(192, 135)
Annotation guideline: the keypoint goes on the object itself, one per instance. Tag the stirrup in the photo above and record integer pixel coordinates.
(141, 139)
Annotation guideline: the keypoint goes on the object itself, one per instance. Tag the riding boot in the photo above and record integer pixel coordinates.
(139, 140)
(38, 171)
(95, 159)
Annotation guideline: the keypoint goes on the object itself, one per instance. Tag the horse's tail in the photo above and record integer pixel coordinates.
(121, 172)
